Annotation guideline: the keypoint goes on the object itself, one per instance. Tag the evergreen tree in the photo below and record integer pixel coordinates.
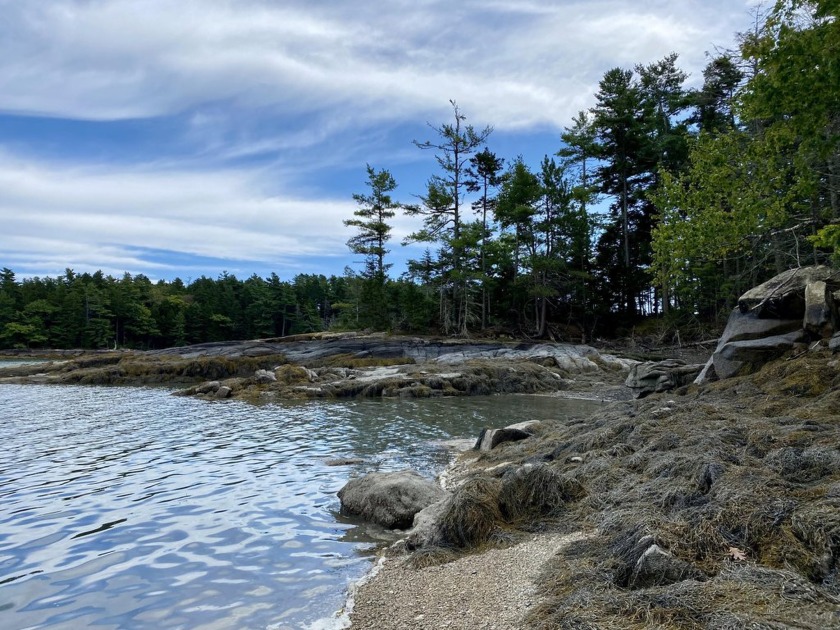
(484, 173)
(442, 209)
(375, 209)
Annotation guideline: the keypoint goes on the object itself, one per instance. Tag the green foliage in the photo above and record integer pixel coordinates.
(764, 175)
(829, 238)
(442, 208)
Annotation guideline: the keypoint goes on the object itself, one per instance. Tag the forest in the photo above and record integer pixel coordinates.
(662, 204)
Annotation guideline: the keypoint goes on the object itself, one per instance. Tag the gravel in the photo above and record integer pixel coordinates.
(494, 589)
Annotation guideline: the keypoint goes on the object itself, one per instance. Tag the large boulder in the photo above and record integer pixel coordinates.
(660, 376)
(746, 357)
(783, 297)
(425, 530)
(264, 376)
(389, 499)
(772, 318)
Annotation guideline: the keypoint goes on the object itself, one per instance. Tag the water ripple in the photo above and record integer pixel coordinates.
(131, 508)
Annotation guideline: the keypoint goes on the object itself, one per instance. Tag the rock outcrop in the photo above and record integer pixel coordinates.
(389, 499)
(786, 313)
(342, 366)
(660, 376)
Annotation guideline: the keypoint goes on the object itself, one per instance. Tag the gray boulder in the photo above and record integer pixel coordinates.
(772, 318)
(389, 499)
(745, 357)
(783, 297)
(660, 376)
(743, 326)
(425, 531)
(265, 376)
(210, 387)
(489, 439)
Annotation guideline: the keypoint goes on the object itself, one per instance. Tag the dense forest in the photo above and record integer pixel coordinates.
(662, 202)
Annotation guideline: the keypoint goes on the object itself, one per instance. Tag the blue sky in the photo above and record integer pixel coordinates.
(180, 139)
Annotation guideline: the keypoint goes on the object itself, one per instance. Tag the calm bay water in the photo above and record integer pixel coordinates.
(133, 508)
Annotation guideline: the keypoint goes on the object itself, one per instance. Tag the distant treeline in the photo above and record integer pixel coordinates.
(98, 311)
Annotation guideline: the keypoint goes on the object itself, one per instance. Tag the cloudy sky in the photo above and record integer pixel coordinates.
(180, 139)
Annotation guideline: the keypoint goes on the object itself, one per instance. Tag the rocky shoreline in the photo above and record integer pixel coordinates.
(339, 366)
(713, 506)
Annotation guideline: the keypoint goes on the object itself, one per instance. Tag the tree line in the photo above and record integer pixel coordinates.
(661, 201)
(98, 311)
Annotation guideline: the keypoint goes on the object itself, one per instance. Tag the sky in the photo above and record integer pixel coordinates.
(190, 138)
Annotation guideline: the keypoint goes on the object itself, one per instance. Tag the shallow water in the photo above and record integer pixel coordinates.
(132, 508)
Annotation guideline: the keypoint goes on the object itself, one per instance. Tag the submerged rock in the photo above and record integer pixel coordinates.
(389, 499)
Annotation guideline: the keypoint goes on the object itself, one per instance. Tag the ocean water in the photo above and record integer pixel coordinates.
(133, 508)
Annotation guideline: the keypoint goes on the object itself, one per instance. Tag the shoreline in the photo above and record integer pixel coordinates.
(675, 529)
(494, 588)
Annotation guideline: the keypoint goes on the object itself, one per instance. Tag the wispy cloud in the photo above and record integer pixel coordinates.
(515, 62)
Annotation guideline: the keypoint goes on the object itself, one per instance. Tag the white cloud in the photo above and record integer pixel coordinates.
(513, 64)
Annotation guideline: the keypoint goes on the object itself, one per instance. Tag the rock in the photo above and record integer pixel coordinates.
(834, 344)
(344, 461)
(657, 567)
(389, 499)
(745, 357)
(208, 387)
(292, 374)
(783, 297)
(489, 439)
(661, 376)
(223, 391)
(819, 310)
(424, 530)
(264, 376)
(742, 327)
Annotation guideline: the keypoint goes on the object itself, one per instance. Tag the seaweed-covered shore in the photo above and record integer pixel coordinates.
(714, 506)
(339, 366)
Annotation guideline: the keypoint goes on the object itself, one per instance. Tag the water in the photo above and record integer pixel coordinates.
(132, 508)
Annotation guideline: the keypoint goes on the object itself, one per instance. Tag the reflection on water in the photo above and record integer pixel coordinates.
(131, 508)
